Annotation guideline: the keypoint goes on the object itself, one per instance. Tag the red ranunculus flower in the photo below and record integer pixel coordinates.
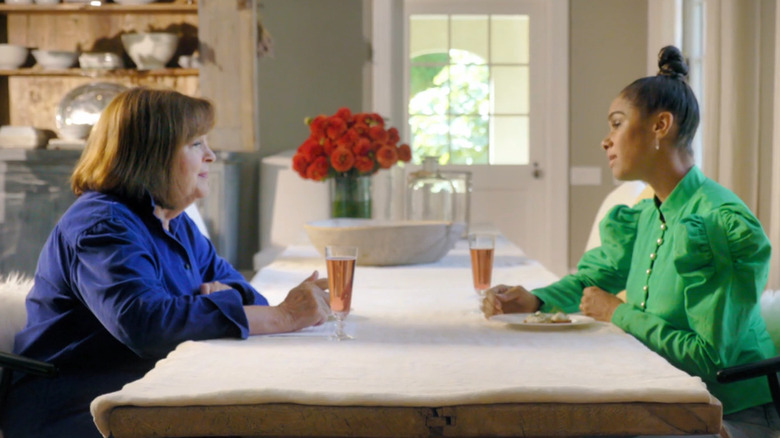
(386, 156)
(328, 146)
(317, 126)
(318, 170)
(311, 149)
(300, 163)
(347, 142)
(342, 160)
(378, 133)
(362, 147)
(345, 114)
(405, 153)
(392, 136)
(364, 164)
(335, 127)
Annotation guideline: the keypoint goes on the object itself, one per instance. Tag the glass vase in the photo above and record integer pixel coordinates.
(350, 196)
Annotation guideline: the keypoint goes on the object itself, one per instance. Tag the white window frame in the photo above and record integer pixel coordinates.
(388, 96)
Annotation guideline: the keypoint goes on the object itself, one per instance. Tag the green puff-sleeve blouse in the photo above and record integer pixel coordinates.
(693, 268)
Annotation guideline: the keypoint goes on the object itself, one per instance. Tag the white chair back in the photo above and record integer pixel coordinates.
(13, 313)
(626, 193)
(770, 310)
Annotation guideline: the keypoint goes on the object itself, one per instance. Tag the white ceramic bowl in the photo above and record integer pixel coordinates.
(12, 56)
(75, 132)
(151, 50)
(100, 60)
(382, 243)
(55, 59)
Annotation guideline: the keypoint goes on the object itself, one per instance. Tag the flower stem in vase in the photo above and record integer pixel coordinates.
(350, 196)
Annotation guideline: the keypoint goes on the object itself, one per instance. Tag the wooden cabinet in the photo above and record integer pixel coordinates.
(31, 95)
(224, 32)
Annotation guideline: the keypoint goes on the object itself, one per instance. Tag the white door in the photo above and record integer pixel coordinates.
(519, 164)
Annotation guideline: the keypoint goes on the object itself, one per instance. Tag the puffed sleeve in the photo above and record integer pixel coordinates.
(722, 259)
(605, 266)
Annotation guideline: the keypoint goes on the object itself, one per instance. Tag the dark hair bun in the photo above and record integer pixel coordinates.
(671, 63)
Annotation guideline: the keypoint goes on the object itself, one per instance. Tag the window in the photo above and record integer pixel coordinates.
(693, 50)
(469, 87)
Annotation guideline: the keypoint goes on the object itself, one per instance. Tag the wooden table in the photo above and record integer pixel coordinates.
(424, 363)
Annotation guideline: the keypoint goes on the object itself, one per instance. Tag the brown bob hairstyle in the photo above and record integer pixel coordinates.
(131, 148)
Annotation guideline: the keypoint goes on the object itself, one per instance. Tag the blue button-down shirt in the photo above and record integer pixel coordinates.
(114, 287)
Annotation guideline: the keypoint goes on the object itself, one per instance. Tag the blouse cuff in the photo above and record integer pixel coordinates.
(232, 309)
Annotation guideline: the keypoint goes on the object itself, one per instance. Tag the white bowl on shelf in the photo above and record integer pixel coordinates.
(55, 59)
(387, 243)
(100, 60)
(150, 50)
(18, 2)
(46, 2)
(75, 131)
(134, 2)
(12, 56)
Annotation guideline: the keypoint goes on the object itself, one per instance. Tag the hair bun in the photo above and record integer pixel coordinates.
(671, 63)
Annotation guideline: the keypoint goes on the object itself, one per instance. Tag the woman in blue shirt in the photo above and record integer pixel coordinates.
(125, 276)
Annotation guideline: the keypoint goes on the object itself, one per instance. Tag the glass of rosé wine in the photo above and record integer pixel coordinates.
(341, 262)
(481, 246)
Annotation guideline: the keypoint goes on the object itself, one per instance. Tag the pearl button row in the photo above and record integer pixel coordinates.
(653, 256)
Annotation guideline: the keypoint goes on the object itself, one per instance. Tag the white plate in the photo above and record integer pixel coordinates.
(517, 319)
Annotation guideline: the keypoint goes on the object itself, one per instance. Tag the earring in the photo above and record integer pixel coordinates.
(657, 145)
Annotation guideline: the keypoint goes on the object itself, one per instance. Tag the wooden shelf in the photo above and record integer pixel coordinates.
(96, 73)
(105, 8)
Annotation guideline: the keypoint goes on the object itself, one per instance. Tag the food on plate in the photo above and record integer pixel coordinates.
(547, 318)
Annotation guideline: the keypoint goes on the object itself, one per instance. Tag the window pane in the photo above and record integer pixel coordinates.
(427, 34)
(509, 135)
(510, 90)
(509, 39)
(430, 97)
(470, 34)
(470, 93)
(430, 136)
(469, 136)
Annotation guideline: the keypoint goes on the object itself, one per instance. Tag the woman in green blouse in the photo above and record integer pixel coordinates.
(693, 260)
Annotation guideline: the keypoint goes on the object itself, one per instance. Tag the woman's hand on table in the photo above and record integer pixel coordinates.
(305, 305)
(509, 299)
(598, 303)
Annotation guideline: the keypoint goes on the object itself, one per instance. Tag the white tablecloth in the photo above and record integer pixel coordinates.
(420, 341)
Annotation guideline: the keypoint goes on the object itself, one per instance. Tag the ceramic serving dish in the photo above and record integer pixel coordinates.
(382, 243)
(55, 59)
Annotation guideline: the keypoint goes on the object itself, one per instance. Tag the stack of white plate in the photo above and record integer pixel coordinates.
(22, 137)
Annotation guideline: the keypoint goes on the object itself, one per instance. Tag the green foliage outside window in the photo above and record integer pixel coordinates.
(449, 107)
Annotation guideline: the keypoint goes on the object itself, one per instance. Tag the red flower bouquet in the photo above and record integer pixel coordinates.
(347, 144)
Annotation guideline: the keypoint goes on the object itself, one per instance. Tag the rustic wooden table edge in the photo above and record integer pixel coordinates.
(503, 420)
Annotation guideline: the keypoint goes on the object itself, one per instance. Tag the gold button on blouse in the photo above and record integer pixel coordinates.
(659, 241)
(663, 227)
(649, 271)
(644, 288)
(652, 256)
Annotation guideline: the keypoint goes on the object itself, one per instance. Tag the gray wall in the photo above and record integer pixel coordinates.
(317, 66)
(320, 51)
(608, 50)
